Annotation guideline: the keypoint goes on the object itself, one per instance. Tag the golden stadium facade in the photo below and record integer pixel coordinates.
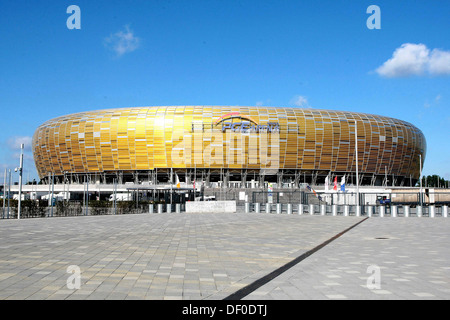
(227, 143)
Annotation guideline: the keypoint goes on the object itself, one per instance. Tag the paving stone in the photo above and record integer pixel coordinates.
(405, 261)
(210, 256)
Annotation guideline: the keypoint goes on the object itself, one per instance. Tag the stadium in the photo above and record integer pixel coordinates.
(228, 146)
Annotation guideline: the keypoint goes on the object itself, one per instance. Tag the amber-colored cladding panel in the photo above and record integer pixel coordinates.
(145, 138)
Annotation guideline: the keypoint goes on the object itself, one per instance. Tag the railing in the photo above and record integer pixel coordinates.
(76, 208)
(406, 204)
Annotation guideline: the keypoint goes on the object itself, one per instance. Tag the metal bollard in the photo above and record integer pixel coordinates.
(178, 208)
(150, 208)
(169, 208)
(268, 208)
(160, 208)
(247, 207)
(358, 211)
(278, 208)
(382, 210)
(445, 211)
(311, 209)
(394, 211)
(323, 209)
(300, 208)
(346, 210)
(419, 211)
(432, 211)
(257, 207)
(289, 208)
(406, 210)
(334, 210)
(369, 211)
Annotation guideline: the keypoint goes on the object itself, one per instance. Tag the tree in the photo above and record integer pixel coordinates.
(434, 181)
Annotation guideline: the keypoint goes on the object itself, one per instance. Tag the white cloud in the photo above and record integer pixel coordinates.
(300, 101)
(15, 142)
(439, 62)
(415, 59)
(434, 103)
(122, 42)
(11, 157)
(261, 103)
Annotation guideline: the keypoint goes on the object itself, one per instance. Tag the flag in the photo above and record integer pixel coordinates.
(327, 182)
(313, 191)
(177, 181)
(335, 183)
(343, 183)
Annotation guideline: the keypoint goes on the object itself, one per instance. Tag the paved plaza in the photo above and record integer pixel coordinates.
(213, 256)
(410, 257)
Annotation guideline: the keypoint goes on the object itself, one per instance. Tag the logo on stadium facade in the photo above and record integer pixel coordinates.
(250, 125)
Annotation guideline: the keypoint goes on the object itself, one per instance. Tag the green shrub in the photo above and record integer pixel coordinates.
(99, 206)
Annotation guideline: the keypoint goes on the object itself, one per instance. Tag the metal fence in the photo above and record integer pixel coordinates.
(295, 201)
(73, 208)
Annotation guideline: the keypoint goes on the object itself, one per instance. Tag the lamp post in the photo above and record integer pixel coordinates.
(53, 191)
(64, 186)
(4, 195)
(357, 174)
(420, 177)
(20, 169)
(9, 191)
(115, 195)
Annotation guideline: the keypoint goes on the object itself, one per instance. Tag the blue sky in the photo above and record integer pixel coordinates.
(317, 54)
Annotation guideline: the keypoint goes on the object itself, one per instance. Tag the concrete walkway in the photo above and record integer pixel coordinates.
(211, 256)
(382, 258)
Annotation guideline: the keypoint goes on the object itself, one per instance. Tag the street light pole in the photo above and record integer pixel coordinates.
(9, 191)
(20, 169)
(357, 174)
(4, 194)
(420, 177)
